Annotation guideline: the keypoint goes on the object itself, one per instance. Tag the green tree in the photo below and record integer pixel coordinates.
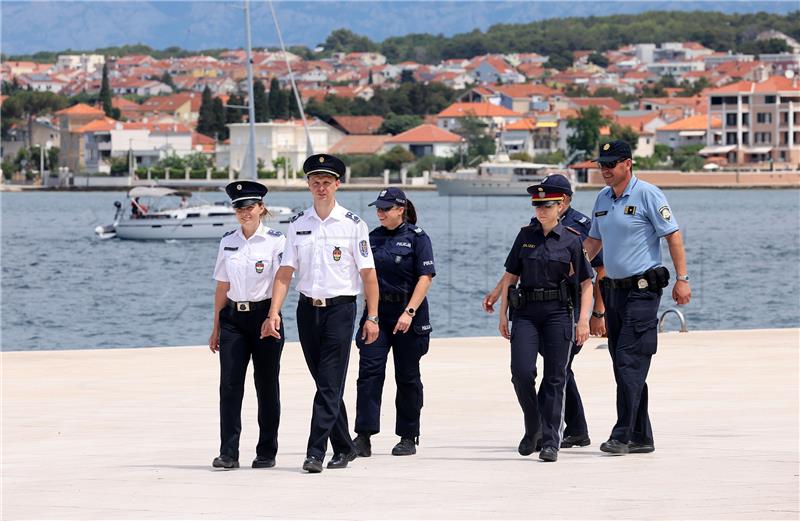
(598, 59)
(687, 158)
(479, 144)
(344, 40)
(28, 105)
(261, 104)
(206, 120)
(277, 105)
(626, 134)
(234, 115)
(586, 131)
(395, 124)
(394, 158)
(218, 112)
(105, 93)
(407, 76)
(166, 79)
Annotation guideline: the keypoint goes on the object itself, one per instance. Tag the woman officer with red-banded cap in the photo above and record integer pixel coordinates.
(547, 260)
(247, 261)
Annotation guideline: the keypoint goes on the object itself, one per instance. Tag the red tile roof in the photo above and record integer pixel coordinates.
(696, 122)
(359, 124)
(426, 133)
(359, 144)
(770, 85)
(525, 90)
(81, 109)
(523, 124)
(479, 110)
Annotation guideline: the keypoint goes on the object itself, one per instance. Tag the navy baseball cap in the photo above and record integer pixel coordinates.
(614, 151)
(555, 183)
(245, 193)
(389, 197)
(324, 164)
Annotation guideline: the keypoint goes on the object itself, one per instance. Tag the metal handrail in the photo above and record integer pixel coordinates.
(678, 312)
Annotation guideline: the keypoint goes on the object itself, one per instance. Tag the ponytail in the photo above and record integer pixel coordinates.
(410, 214)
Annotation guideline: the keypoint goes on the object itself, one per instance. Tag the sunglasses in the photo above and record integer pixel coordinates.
(545, 204)
(610, 164)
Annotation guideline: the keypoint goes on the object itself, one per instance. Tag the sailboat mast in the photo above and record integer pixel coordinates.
(250, 159)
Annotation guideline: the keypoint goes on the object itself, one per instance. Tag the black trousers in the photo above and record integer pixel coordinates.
(325, 334)
(631, 319)
(238, 342)
(407, 350)
(544, 328)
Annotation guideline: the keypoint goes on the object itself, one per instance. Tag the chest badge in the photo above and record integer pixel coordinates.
(259, 266)
(337, 254)
(630, 210)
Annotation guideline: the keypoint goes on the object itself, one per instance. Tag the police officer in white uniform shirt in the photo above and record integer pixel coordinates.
(247, 261)
(328, 246)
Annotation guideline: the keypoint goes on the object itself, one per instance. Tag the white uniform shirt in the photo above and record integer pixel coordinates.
(328, 255)
(249, 264)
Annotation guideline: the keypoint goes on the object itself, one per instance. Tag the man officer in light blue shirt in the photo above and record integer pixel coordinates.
(629, 218)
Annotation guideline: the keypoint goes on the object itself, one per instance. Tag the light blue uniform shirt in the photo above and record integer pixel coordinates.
(631, 227)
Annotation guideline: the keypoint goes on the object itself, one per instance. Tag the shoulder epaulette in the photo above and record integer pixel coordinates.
(353, 217)
(573, 230)
(275, 233)
(293, 219)
(418, 230)
(228, 233)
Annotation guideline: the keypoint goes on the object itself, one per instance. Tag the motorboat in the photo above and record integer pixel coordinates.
(159, 213)
(498, 176)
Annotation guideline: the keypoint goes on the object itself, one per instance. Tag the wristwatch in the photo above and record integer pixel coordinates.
(411, 312)
(598, 314)
(373, 319)
(684, 278)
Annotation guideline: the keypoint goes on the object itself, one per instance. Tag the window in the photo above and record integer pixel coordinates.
(784, 119)
(784, 138)
(745, 100)
(730, 138)
(745, 138)
(716, 100)
(745, 118)
(770, 100)
(764, 117)
(730, 119)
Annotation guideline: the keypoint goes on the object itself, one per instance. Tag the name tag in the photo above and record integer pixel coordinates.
(231, 248)
(600, 214)
(304, 232)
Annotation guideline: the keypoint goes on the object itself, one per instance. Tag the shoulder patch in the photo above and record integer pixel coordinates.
(573, 230)
(583, 219)
(353, 217)
(275, 233)
(293, 219)
(228, 233)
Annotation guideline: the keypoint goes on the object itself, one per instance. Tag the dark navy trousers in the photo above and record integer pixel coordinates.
(238, 342)
(407, 350)
(325, 334)
(541, 328)
(574, 415)
(632, 319)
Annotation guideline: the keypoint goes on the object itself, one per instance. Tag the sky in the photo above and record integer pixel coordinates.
(32, 26)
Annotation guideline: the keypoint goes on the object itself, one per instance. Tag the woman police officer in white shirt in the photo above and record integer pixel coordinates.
(246, 264)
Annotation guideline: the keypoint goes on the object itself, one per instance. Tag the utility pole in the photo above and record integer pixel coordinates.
(250, 158)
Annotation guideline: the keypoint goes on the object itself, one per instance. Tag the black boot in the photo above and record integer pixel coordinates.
(406, 447)
(363, 445)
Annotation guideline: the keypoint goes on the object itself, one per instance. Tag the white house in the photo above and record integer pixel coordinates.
(428, 140)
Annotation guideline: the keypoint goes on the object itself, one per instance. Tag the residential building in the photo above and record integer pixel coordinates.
(88, 63)
(357, 124)
(44, 134)
(428, 140)
(493, 116)
(760, 122)
(72, 153)
(525, 97)
(360, 145)
(688, 131)
(493, 69)
(644, 123)
(531, 136)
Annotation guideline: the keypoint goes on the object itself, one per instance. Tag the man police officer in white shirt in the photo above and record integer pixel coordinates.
(329, 248)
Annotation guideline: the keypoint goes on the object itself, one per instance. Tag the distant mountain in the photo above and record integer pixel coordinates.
(28, 27)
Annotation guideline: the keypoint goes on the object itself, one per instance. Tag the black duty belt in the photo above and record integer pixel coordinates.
(398, 298)
(326, 302)
(542, 295)
(653, 279)
(249, 306)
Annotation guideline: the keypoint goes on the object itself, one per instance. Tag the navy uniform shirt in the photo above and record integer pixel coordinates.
(543, 262)
(579, 222)
(401, 256)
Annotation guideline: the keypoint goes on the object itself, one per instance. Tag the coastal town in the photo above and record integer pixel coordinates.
(681, 106)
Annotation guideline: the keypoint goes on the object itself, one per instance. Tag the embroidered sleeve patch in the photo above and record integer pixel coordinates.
(363, 248)
(665, 213)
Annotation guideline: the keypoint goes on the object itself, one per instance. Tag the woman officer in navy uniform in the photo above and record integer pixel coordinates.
(246, 264)
(548, 260)
(404, 265)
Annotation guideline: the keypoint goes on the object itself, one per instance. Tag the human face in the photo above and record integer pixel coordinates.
(249, 216)
(548, 215)
(323, 186)
(617, 177)
(390, 218)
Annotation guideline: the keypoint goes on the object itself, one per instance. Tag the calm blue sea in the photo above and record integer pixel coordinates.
(62, 288)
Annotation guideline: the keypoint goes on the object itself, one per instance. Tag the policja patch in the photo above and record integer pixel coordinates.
(337, 253)
(259, 266)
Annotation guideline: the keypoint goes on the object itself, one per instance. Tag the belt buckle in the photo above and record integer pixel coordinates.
(318, 302)
(242, 306)
(641, 283)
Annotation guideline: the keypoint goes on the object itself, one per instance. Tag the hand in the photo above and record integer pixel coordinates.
(271, 327)
(581, 332)
(403, 323)
(597, 326)
(504, 331)
(490, 299)
(370, 331)
(213, 340)
(681, 292)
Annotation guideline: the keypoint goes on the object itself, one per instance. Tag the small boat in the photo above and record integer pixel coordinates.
(499, 176)
(157, 213)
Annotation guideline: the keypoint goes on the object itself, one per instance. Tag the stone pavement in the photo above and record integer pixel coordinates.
(122, 434)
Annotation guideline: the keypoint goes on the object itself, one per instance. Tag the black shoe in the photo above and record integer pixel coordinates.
(575, 440)
(613, 446)
(363, 446)
(548, 454)
(528, 445)
(640, 448)
(225, 462)
(312, 465)
(340, 460)
(263, 463)
(406, 447)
